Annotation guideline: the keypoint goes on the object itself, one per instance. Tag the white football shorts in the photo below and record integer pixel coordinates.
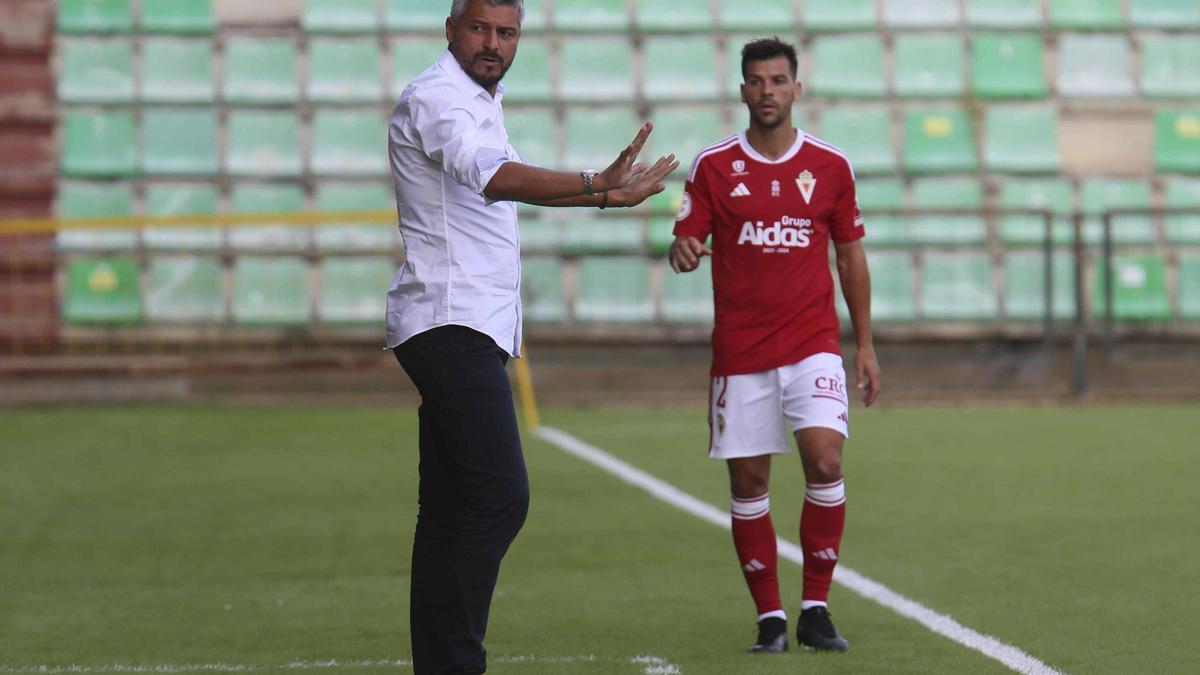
(756, 413)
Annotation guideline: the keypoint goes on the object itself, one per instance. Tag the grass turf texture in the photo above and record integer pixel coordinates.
(265, 536)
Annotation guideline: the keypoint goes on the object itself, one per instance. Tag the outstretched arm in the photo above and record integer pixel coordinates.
(856, 288)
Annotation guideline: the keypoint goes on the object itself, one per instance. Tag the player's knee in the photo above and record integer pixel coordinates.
(826, 467)
(748, 484)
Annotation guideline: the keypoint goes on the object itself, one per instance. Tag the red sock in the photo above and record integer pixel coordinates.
(821, 526)
(754, 539)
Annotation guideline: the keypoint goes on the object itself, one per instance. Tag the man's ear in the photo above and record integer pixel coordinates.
(449, 30)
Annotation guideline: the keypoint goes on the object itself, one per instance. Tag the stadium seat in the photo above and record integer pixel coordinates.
(344, 70)
(103, 292)
(614, 289)
(761, 16)
(541, 234)
(340, 16)
(415, 16)
(178, 16)
(1008, 66)
(347, 143)
(595, 136)
(1094, 66)
(97, 144)
(844, 15)
(1086, 14)
(270, 291)
(380, 237)
(1189, 286)
(1183, 193)
(660, 226)
(412, 54)
(929, 66)
(181, 199)
(1054, 194)
(884, 194)
(938, 140)
(178, 141)
(947, 193)
(249, 198)
(95, 200)
(1177, 140)
(892, 286)
(848, 66)
(1164, 13)
(1139, 289)
(1004, 13)
(672, 16)
(1021, 139)
(529, 78)
(685, 131)
(1169, 66)
(680, 69)
(263, 143)
(354, 290)
(596, 69)
(921, 13)
(591, 16)
(1101, 194)
(541, 289)
(94, 71)
(184, 289)
(531, 132)
(958, 286)
(864, 134)
(95, 16)
(261, 70)
(1025, 285)
(177, 71)
(535, 16)
(585, 234)
(688, 298)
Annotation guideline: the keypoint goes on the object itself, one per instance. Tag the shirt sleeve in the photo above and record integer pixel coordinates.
(695, 217)
(451, 136)
(846, 224)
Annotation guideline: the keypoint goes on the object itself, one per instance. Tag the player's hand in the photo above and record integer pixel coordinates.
(619, 173)
(686, 253)
(867, 365)
(644, 182)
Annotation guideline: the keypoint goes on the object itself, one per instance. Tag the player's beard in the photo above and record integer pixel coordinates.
(487, 82)
(762, 123)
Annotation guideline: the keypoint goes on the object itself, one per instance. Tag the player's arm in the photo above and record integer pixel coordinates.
(856, 288)
(642, 184)
(693, 224)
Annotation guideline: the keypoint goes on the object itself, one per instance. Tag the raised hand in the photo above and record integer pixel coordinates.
(643, 182)
(686, 253)
(621, 171)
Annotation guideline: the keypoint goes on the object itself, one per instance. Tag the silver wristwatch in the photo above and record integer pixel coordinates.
(588, 176)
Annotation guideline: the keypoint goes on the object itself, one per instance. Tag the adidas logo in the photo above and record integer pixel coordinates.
(827, 554)
(754, 566)
(740, 191)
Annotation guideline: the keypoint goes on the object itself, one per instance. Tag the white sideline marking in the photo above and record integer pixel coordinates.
(942, 624)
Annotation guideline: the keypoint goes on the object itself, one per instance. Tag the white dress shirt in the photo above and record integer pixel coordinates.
(446, 140)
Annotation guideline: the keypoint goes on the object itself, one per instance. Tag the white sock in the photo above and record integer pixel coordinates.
(809, 604)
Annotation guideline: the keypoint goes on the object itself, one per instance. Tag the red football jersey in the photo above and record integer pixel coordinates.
(771, 223)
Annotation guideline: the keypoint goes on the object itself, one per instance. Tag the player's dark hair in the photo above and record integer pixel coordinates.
(766, 49)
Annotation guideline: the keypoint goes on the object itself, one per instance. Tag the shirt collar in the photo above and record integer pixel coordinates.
(463, 82)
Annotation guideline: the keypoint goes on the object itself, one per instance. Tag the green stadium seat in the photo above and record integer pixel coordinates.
(177, 71)
(1177, 140)
(688, 297)
(684, 131)
(663, 207)
(1183, 193)
(1189, 286)
(864, 134)
(760, 16)
(1004, 13)
(270, 291)
(921, 13)
(1054, 194)
(348, 143)
(97, 144)
(95, 200)
(1169, 66)
(680, 69)
(95, 16)
(596, 69)
(250, 198)
(672, 16)
(541, 234)
(1025, 285)
(1021, 140)
(535, 16)
(1139, 289)
(412, 54)
(1008, 66)
(1164, 13)
(594, 137)
(172, 199)
(263, 143)
(340, 16)
(529, 78)
(94, 71)
(848, 66)
(344, 70)
(261, 71)
(177, 141)
(531, 132)
(184, 289)
(591, 16)
(614, 289)
(379, 237)
(958, 286)
(584, 235)
(884, 194)
(844, 15)
(103, 292)
(354, 290)
(948, 193)
(892, 286)
(938, 141)
(542, 290)
(193, 17)
(1094, 66)
(1101, 194)
(415, 15)
(929, 66)
(1086, 14)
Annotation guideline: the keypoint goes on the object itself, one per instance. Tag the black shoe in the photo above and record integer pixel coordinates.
(772, 636)
(815, 630)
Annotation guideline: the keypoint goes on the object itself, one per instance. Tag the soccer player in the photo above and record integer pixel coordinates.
(772, 198)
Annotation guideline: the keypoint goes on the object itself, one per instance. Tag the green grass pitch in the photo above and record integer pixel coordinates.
(258, 537)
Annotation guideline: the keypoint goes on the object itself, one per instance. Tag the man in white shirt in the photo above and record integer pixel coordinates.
(454, 316)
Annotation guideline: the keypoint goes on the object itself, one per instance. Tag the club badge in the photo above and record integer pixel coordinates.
(807, 185)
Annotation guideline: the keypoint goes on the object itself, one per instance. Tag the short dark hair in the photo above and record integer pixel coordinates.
(765, 49)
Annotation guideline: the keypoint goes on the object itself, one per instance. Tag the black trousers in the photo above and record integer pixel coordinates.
(474, 493)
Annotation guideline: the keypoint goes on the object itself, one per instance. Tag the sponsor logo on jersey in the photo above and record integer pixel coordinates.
(739, 168)
(783, 234)
(685, 207)
(775, 188)
(807, 184)
(740, 191)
